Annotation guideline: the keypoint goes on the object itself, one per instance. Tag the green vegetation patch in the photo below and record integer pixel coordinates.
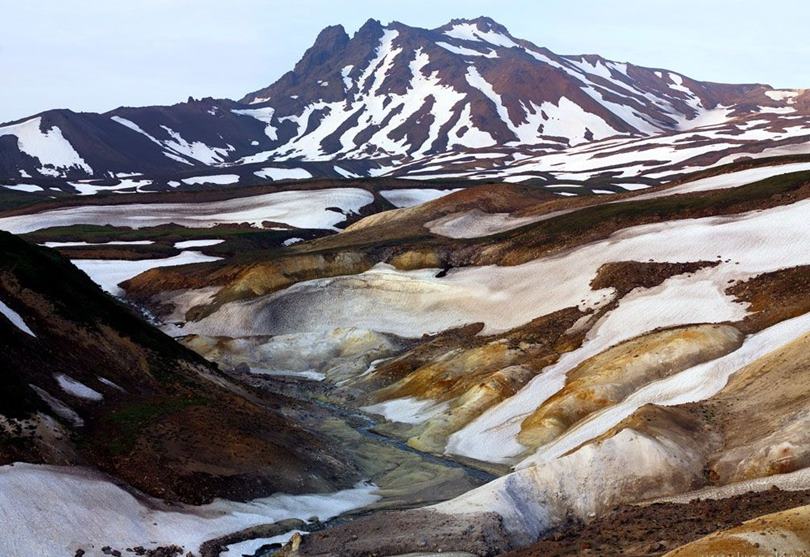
(130, 421)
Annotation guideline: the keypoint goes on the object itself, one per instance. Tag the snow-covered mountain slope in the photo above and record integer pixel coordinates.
(621, 164)
(398, 90)
(402, 100)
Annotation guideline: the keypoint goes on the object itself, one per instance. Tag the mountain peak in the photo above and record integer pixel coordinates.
(482, 23)
(330, 42)
(370, 27)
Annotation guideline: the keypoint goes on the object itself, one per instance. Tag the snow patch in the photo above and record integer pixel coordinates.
(476, 223)
(467, 51)
(276, 174)
(407, 410)
(76, 388)
(409, 197)
(85, 244)
(345, 173)
(263, 115)
(109, 273)
(60, 409)
(15, 319)
(471, 32)
(28, 188)
(221, 179)
(49, 146)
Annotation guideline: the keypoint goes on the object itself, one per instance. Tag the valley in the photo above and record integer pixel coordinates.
(403, 302)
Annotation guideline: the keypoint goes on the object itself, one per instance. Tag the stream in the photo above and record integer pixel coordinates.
(394, 461)
(366, 428)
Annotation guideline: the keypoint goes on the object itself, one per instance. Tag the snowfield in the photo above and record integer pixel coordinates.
(220, 179)
(55, 153)
(408, 197)
(197, 243)
(109, 273)
(417, 302)
(301, 209)
(51, 511)
(730, 180)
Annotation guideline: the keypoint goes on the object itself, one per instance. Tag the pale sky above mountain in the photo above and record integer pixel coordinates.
(96, 55)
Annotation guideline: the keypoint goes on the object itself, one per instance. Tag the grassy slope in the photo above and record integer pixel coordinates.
(176, 430)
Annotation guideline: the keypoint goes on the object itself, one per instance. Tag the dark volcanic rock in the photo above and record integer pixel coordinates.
(421, 530)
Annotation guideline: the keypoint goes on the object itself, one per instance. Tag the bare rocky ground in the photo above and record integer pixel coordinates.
(655, 529)
(418, 531)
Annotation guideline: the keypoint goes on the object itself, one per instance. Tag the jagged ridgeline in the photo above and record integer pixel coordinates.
(466, 99)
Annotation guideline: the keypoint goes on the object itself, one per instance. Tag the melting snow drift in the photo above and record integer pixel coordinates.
(51, 511)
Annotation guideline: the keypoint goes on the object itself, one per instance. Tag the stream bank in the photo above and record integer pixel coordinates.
(406, 477)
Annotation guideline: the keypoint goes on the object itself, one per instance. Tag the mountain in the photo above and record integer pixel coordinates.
(393, 100)
(402, 91)
(505, 302)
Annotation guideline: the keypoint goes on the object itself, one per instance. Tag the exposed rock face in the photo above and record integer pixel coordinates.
(418, 531)
(760, 443)
(657, 528)
(606, 379)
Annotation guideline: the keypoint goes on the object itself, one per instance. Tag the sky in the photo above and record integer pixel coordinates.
(96, 55)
